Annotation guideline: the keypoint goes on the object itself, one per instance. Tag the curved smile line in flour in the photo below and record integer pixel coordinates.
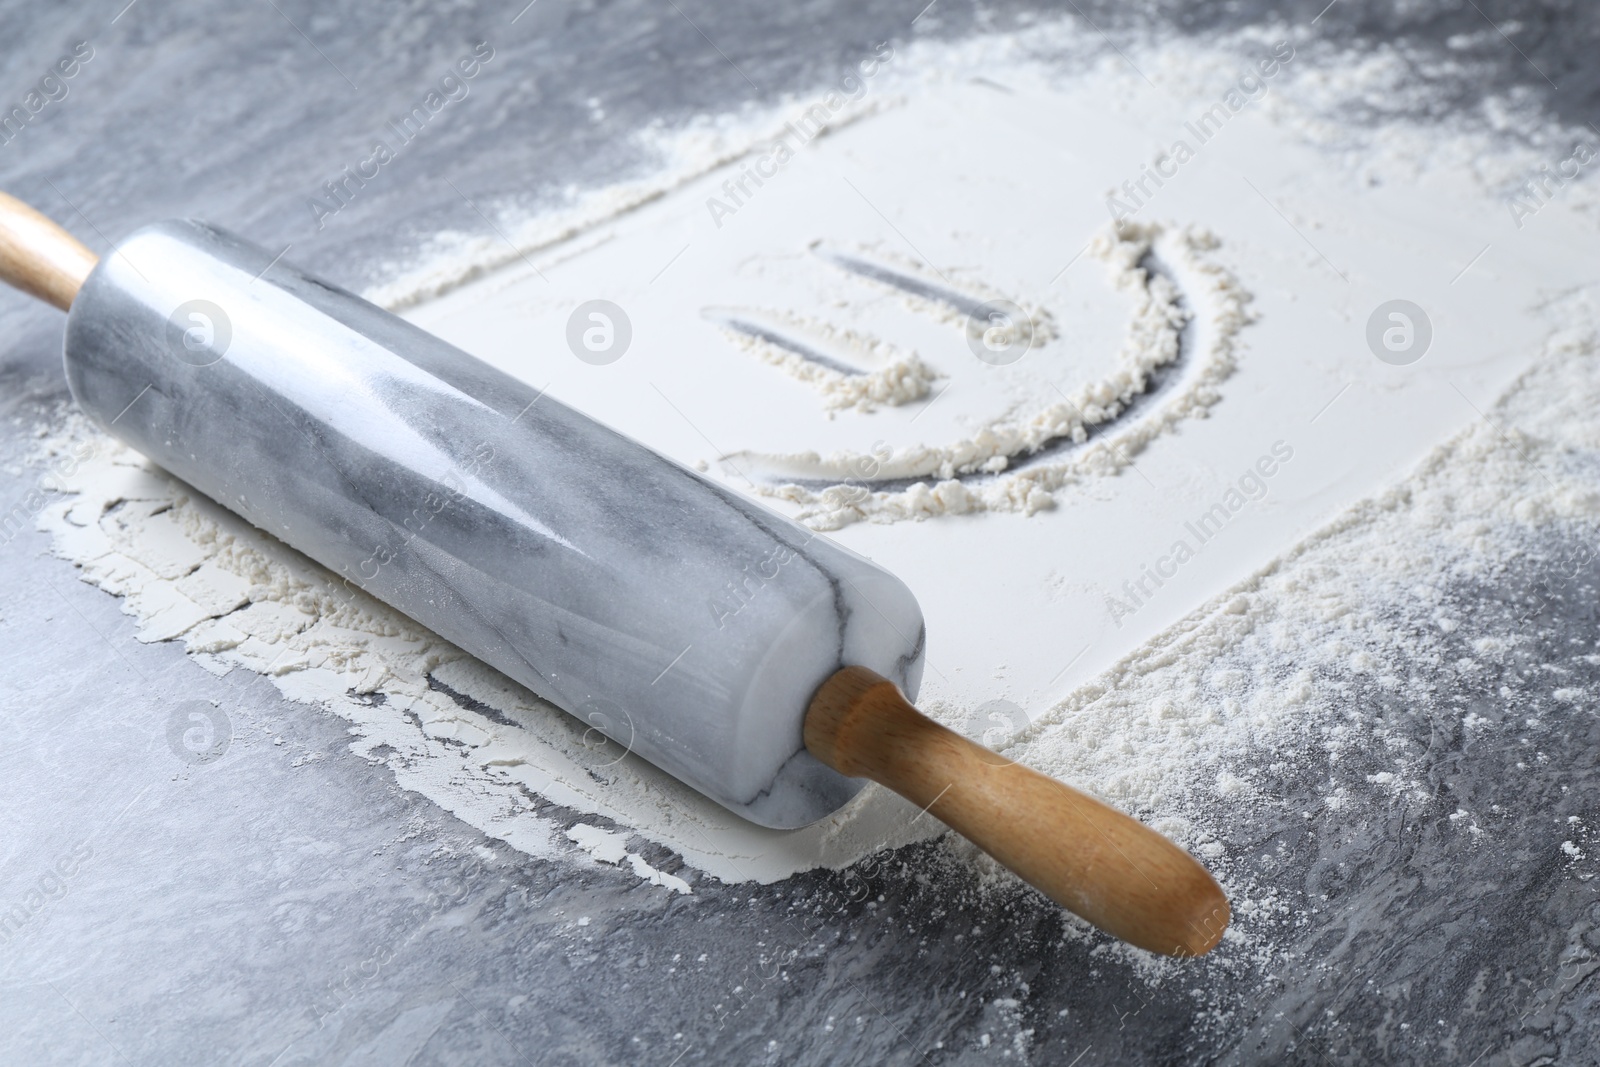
(1178, 346)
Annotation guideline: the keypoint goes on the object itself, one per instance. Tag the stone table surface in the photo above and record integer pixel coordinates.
(270, 909)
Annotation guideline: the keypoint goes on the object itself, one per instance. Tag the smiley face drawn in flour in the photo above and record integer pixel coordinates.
(956, 332)
(1186, 311)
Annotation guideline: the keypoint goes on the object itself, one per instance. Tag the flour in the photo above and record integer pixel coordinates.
(895, 377)
(453, 258)
(451, 728)
(1152, 342)
(1161, 734)
(612, 848)
(955, 303)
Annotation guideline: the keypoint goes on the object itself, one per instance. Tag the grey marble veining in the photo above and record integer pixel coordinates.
(291, 903)
(685, 622)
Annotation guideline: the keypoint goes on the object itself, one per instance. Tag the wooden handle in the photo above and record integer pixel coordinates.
(1091, 859)
(39, 257)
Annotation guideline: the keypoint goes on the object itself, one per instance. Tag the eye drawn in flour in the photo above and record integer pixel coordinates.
(972, 311)
(1186, 313)
(848, 369)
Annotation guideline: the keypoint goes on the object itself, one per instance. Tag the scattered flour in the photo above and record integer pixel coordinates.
(613, 849)
(453, 258)
(473, 741)
(1268, 666)
(1152, 342)
(949, 301)
(896, 377)
(1161, 733)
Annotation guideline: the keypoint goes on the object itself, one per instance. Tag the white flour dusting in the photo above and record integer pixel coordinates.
(613, 849)
(1152, 342)
(1158, 734)
(1161, 734)
(1265, 667)
(1037, 322)
(896, 377)
(473, 741)
(453, 258)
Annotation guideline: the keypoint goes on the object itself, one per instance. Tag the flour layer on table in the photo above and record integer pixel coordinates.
(1159, 733)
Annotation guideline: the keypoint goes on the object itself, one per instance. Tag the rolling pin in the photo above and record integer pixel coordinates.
(755, 660)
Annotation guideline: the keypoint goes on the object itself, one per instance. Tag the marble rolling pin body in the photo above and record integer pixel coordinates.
(755, 660)
(686, 622)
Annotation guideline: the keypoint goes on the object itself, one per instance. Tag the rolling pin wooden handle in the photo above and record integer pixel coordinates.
(1092, 859)
(39, 257)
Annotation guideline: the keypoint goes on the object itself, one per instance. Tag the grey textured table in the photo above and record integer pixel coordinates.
(255, 911)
